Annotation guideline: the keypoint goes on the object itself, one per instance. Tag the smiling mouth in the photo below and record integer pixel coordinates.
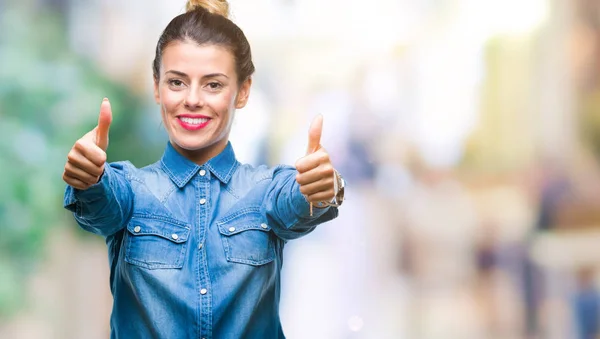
(193, 124)
(194, 121)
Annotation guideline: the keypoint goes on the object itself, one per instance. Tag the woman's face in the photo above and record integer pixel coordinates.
(198, 94)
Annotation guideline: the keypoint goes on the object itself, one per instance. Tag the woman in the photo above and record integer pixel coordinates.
(195, 240)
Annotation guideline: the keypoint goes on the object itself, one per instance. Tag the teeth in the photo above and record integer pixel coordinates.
(194, 121)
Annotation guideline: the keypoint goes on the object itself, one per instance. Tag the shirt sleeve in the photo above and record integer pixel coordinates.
(106, 207)
(288, 210)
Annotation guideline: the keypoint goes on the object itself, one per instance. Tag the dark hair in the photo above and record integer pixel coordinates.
(206, 28)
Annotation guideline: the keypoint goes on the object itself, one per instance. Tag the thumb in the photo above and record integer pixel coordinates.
(314, 134)
(104, 120)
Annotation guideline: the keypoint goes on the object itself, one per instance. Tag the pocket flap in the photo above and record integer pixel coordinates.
(243, 220)
(170, 229)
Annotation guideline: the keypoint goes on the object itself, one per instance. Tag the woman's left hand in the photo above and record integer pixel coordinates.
(315, 170)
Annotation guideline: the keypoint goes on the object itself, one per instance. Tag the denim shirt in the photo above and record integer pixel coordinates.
(195, 251)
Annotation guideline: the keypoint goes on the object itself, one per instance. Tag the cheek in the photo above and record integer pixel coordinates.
(223, 103)
(170, 100)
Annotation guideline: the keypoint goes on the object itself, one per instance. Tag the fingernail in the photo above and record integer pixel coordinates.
(105, 99)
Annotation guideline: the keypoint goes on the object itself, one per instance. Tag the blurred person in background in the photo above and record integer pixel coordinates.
(554, 187)
(586, 305)
(195, 240)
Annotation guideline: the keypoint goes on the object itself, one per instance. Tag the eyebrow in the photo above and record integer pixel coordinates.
(183, 75)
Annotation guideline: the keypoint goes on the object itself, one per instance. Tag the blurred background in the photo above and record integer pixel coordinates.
(468, 132)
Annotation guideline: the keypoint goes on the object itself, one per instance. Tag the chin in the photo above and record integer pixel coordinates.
(190, 146)
(188, 143)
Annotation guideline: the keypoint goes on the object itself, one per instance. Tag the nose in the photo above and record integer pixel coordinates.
(193, 99)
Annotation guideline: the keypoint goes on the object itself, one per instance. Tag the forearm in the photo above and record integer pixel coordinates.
(105, 207)
(287, 207)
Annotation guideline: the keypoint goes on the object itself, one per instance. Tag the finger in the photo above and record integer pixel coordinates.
(104, 121)
(320, 173)
(316, 187)
(312, 161)
(76, 183)
(83, 163)
(80, 174)
(314, 134)
(90, 151)
(321, 196)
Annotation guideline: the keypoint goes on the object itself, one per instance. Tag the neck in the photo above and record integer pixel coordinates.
(203, 155)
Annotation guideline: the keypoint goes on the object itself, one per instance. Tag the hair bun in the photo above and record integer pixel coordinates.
(220, 7)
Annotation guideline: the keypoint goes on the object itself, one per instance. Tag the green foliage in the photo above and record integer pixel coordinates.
(49, 97)
(589, 121)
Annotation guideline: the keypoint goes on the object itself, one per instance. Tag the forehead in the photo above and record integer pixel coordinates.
(193, 59)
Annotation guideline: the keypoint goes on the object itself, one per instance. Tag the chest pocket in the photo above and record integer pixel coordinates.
(247, 239)
(156, 242)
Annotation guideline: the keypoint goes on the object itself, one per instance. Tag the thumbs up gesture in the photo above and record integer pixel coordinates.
(315, 171)
(85, 161)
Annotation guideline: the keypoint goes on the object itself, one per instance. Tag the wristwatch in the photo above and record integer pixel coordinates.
(339, 185)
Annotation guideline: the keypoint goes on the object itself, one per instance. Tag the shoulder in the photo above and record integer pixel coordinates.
(131, 172)
(257, 174)
(148, 181)
(153, 176)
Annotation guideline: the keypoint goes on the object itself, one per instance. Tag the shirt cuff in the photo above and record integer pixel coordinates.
(102, 187)
(302, 206)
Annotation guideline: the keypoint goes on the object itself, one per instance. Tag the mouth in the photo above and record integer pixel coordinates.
(193, 122)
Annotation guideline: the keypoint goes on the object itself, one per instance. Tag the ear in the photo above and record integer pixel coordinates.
(156, 94)
(243, 94)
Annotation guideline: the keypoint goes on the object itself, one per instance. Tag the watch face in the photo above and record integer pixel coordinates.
(340, 196)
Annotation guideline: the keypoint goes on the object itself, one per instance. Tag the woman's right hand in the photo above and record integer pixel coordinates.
(85, 161)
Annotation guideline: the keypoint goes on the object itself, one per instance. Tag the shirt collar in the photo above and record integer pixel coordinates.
(181, 170)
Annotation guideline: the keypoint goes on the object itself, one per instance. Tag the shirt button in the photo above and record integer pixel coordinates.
(137, 229)
(203, 291)
(202, 173)
(231, 229)
(264, 226)
(174, 236)
(200, 245)
(202, 201)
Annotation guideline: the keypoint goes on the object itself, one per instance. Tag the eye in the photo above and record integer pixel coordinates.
(176, 83)
(214, 86)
